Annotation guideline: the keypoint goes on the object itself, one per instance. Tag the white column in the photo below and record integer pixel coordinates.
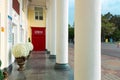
(62, 35)
(87, 40)
(3, 46)
(21, 14)
(49, 27)
(10, 57)
(53, 30)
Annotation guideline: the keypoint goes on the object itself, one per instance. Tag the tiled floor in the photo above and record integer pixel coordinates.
(39, 67)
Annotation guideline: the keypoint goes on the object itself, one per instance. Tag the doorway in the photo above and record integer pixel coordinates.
(38, 38)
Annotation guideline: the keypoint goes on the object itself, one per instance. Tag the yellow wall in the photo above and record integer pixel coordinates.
(35, 23)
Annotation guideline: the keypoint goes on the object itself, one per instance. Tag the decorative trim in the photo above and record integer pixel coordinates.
(61, 66)
(52, 57)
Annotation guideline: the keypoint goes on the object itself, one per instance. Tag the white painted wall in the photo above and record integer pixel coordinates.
(3, 56)
(6, 42)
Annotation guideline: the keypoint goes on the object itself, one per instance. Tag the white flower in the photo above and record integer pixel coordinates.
(19, 50)
(29, 45)
(27, 49)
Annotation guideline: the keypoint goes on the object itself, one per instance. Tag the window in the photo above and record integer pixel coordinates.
(38, 13)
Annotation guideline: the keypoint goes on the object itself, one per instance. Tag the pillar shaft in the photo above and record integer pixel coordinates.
(87, 40)
(3, 34)
(53, 29)
(62, 33)
(49, 26)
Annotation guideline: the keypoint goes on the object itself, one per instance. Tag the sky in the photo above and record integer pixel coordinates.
(112, 6)
(71, 12)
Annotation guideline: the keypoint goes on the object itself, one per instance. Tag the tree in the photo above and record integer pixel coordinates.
(116, 20)
(69, 25)
(116, 35)
(71, 33)
(107, 27)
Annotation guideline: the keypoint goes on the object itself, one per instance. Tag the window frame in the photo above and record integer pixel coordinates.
(39, 13)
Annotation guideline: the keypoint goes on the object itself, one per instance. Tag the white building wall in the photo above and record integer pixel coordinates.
(24, 20)
(0, 28)
(11, 35)
(3, 55)
(16, 23)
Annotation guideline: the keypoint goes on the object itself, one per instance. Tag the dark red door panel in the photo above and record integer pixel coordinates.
(38, 38)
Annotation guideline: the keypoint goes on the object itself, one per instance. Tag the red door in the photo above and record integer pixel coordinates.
(38, 38)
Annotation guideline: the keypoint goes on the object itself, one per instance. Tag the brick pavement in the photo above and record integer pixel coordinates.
(110, 66)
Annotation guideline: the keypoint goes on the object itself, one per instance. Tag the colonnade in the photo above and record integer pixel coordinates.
(87, 37)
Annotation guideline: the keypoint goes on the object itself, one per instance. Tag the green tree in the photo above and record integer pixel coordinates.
(70, 33)
(107, 27)
(1, 73)
(116, 35)
(69, 26)
(116, 20)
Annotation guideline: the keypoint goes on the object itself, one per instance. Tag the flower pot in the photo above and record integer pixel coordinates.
(20, 61)
(5, 75)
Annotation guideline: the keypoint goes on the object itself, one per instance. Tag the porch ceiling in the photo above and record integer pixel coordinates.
(41, 3)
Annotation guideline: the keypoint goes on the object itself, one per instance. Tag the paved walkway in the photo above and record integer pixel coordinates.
(40, 67)
(110, 49)
(110, 68)
(110, 61)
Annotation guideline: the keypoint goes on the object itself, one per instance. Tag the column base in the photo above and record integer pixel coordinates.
(62, 66)
(52, 57)
(47, 51)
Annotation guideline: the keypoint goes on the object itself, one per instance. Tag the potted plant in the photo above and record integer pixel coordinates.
(1, 73)
(20, 52)
(29, 47)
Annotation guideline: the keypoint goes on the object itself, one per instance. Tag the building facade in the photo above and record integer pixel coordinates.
(46, 22)
(13, 26)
